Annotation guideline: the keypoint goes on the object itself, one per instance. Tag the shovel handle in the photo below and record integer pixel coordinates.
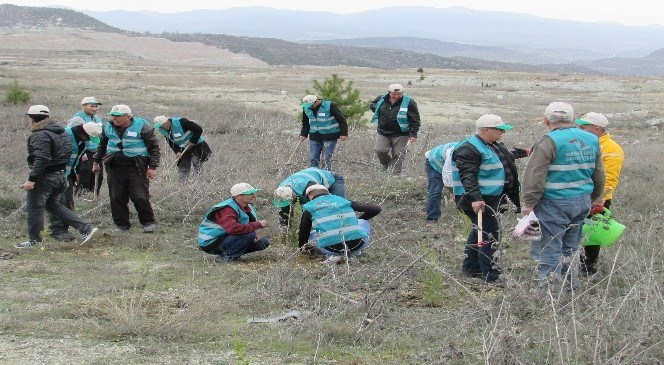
(479, 227)
(293, 153)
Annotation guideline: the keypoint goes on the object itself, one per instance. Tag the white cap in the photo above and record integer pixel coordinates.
(283, 196)
(308, 100)
(161, 119)
(315, 187)
(492, 121)
(395, 87)
(120, 109)
(558, 112)
(92, 129)
(243, 189)
(38, 110)
(593, 118)
(90, 100)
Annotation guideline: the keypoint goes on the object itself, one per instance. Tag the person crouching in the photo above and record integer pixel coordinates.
(229, 228)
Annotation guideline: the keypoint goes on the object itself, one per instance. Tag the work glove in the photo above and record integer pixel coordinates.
(520, 152)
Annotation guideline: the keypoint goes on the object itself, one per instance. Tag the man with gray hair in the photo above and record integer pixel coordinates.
(563, 175)
(398, 123)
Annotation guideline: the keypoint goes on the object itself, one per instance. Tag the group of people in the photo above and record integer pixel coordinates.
(571, 174)
(571, 169)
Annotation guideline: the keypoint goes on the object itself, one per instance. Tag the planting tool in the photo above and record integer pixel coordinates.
(178, 159)
(95, 188)
(480, 241)
(293, 153)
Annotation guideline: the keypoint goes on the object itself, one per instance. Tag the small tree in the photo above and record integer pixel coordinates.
(16, 94)
(335, 89)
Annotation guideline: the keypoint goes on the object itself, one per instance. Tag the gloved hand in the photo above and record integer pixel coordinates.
(596, 209)
(520, 152)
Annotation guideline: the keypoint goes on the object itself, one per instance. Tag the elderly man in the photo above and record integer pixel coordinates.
(229, 228)
(324, 124)
(185, 139)
(613, 158)
(49, 151)
(398, 123)
(294, 187)
(338, 233)
(88, 114)
(438, 168)
(563, 175)
(130, 151)
(484, 173)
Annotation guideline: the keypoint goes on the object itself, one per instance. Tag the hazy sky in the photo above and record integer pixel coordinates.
(629, 12)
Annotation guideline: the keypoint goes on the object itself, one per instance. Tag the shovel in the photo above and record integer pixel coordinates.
(293, 153)
(178, 159)
(480, 241)
(95, 188)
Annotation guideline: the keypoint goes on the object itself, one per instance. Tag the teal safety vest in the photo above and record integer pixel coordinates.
(177, 135)
(491, 177)
(132, 143)
(299, 181)
(402, 116)
(322, 121)
(334, 220)
(570, 174)
(75, 155)
(437, 156)
(209, 230)
(89, 145)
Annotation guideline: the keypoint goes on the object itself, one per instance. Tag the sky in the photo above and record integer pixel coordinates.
(628, 12)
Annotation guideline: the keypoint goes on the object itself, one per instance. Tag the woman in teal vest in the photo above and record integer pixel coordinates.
(324, 124)
(186, 140)
(337, 232)
(229, 228)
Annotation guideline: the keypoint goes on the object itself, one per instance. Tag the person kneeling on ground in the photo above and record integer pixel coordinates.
(338, 233)
(229, 228)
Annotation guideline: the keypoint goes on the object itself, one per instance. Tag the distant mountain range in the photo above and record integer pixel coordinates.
(391, 37)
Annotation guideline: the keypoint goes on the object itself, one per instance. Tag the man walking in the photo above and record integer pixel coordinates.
(86, 179)
(484, 172)
(130, 151)
(563, 175)
(229, 228)
(49, 150)
(324, 124)
(185, 139)
(613, 158)
(398, 123)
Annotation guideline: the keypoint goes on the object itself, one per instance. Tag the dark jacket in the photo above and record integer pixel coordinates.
(187, 125)
(387, 117)
(141, 162)
(468, 160)
(49, 149)
(317, 136)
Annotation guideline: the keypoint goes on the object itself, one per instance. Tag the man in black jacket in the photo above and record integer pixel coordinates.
(324, 124)
(185, 139)
(398, 123)
(485, 174)
(49, 150)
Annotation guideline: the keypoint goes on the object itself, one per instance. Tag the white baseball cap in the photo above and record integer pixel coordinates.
(243, 189)
(38, 110)
(92, 129)
(90, 100)
(315, 187)
(593, 118)
(308, 100)
(120, 109)
(492, 121)
(283, 196)
(559, 112)
(395, 88)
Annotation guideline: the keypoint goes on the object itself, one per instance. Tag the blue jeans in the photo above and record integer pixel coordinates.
(235, 245)
(46, 195)
(560, 221)
(324, 147)
(356, 251)
(480, 260)
(435, 180)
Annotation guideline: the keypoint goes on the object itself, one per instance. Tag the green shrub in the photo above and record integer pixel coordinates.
(17, 94)
(347, 97)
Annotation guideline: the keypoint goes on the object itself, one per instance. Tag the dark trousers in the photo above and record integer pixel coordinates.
(196, 157)
(233, 246)
(57, 225)
(46, 195)
(126, 183)
(591, 253)
(480, 259)
(86, 179)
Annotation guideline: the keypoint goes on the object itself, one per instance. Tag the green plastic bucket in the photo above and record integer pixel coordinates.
(601, 229)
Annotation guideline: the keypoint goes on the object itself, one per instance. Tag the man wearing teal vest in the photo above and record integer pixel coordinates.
(398, 123)
(130, 151)
(185, 139)
(438, 168)
(324, 124)
(85, 178)
(229, 228)
(484, 175)
(337, 232)
(563, 176)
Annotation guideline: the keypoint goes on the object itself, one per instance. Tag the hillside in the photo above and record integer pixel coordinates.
(34, 17)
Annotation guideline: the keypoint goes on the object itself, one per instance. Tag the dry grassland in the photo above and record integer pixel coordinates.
(156, 299)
